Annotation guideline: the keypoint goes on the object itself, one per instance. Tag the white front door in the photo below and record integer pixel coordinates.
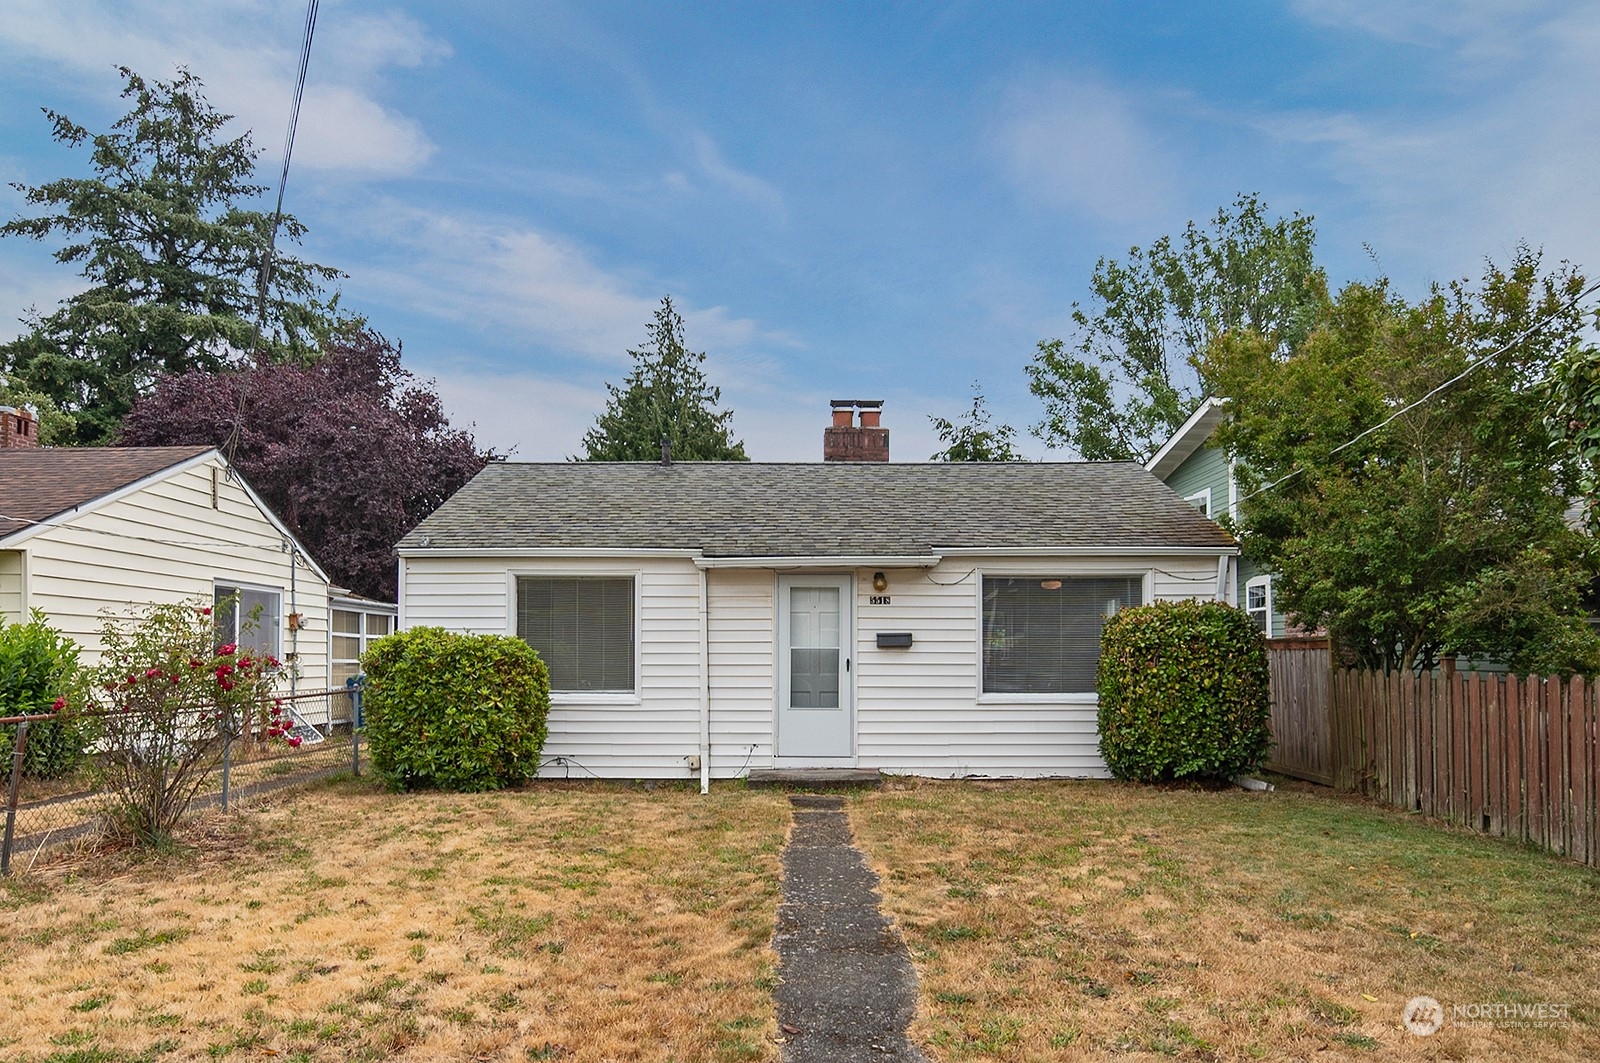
(814, 649)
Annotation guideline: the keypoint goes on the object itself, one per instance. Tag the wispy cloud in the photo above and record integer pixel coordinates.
(246, 52)
(514, 278)
(1466, 175)
(721, 174)
(1080, 145)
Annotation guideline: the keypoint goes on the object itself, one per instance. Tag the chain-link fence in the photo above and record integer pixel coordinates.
(229, 766)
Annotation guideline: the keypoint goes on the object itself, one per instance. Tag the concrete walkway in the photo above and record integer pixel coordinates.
(847, 990)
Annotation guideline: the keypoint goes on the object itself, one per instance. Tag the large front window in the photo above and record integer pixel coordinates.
(1041, 634)
(582, 627)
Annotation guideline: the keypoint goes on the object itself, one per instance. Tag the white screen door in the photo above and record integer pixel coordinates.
(814, 637)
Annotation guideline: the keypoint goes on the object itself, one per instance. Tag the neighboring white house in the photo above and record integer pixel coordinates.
(89, 530)
(938, 619)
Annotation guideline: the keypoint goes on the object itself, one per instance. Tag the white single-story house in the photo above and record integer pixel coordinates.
(708, 618)
(86, 531)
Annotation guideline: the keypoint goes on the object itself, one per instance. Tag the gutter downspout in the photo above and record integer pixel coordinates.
(294, 628)
(1222, 577)
(705, 682)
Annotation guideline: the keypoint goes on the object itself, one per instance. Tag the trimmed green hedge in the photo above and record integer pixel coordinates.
(39, 673)
(454, 712)
(1183, 692)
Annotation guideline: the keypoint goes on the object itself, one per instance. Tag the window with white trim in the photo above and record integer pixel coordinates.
(1258, 602)
(1200, 500)
(1041, 634)
(247, 617)
(354, 630)
(583, 629)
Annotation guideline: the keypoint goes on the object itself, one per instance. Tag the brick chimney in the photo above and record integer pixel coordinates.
(19, 428)
(845, 440)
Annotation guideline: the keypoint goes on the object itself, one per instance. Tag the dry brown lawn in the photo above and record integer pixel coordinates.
(1090, 920)
(577, 923)
(591, 922)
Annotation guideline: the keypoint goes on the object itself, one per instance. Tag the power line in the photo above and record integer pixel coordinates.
(1497, 352)
(268, 261)
(275, 548)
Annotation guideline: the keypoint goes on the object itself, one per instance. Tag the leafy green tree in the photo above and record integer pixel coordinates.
(55, 428)
(665, 397)
(1441, 531)
(172, 257)
(1127, 379)
(1573, 419)
(975, 437)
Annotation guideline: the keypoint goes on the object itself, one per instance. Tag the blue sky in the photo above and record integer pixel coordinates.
(863, 200)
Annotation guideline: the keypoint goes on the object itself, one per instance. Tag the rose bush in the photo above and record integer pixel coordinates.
(169, 697)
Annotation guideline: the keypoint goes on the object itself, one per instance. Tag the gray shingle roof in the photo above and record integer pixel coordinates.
(745, 509)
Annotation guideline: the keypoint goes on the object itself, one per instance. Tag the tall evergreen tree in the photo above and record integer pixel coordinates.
(665, 397)
(172, 258)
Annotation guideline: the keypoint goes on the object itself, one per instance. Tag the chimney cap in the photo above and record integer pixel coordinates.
(858, 403)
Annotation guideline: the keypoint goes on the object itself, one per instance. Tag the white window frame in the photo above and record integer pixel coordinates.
(1074, 570)
(234, 585)
(364, 637)
(1202, 495)
(1260, 581)
(589, 697)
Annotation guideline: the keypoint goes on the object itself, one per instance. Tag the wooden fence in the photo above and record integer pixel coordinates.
(1302, 737)
(1509, 756)
(1515, 757)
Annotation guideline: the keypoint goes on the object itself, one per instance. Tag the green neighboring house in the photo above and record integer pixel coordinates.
(1203, 475)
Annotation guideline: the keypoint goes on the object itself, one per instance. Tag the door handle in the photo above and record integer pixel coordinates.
(847, 664)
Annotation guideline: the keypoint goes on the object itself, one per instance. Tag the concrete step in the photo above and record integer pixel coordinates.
(814, 778)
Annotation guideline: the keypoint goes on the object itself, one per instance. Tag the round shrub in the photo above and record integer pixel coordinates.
(1183, 692)
(454, 712)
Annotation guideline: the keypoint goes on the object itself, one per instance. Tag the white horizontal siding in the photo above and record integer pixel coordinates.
(649, 735)
(918, 709)
(166, 543)
(742, 647)
(11, 607)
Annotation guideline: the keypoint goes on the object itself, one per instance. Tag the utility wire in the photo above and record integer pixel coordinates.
(275, 548)
(268, 260)
(1522, 336)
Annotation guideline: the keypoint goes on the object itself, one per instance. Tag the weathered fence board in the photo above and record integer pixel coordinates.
(1514, 757)
(1302, 738)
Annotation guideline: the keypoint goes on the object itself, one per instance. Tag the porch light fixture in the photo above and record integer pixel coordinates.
(880, 582)
(1050, 584)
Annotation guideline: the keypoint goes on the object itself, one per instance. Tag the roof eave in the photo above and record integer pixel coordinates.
(1187, 439)
(71, 513)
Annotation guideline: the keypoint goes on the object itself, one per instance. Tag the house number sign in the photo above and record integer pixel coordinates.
(878, 599)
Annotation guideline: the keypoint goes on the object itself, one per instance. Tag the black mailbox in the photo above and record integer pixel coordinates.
(888, 640)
